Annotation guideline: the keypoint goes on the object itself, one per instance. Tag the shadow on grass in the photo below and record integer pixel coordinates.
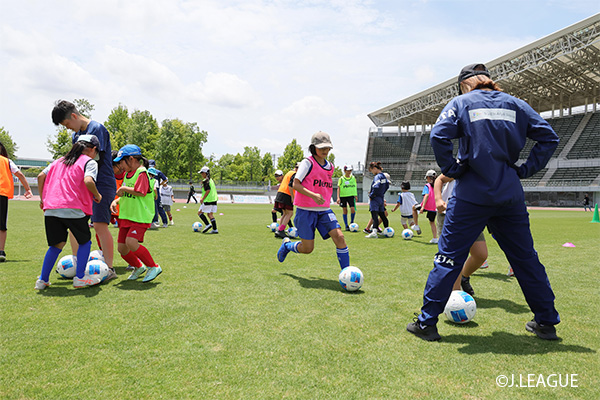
(136, 285)
(495, 275)
(64, 288)
(508, 343)
(319, 283)
(507, 305)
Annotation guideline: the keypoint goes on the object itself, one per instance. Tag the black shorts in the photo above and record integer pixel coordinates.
(431, 215)
(56, 229)
(285, 199)
(3, 212)
(347, 201)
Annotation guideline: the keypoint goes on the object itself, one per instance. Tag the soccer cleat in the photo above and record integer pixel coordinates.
(41, 285)
(546, 332)
(165, 225)
(207, 228)
(112, 274)
(172, 222)
(283, 251)
(466, 285)
(484, 265)
(86, 281)
(429, 333)
(154, 226)
(280, 234)
(152, 273)
(434, 240)
(366, 230)
(372, 235)
(214, 232)
(347, 228)
(2, 256)
(136, 273)
(417, 229)
(510, 272)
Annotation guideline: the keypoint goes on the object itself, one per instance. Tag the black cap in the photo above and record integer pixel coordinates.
(470, 71)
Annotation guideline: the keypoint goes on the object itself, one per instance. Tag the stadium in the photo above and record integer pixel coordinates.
(558, 75)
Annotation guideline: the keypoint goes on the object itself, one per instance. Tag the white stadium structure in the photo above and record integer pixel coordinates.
(558, 75)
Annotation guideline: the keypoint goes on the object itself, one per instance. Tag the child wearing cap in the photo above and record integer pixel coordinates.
(66, 114)
(136, 201)
(67, 191)
(347, 194)
(208, 202)
(314, 186)
(7, 188)
(284, 201)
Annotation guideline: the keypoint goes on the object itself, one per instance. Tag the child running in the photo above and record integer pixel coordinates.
(208, 202)
(67, 191)
(7, 190)
(136, 201)
(314, 187)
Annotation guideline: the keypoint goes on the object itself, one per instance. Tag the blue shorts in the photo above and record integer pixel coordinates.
(307, 221)
(101, 211)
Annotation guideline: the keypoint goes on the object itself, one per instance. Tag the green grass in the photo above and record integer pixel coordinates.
(225, 320)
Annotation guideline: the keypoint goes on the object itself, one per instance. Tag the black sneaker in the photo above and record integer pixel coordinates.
(280, 234)
(466, 285)
(347, 229)
(366, 230)
(2, 256)
(428, 333)
(546, 332)
(207, 228)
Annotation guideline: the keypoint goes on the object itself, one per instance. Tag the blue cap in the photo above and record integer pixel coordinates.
(152, 171)
(128, 150)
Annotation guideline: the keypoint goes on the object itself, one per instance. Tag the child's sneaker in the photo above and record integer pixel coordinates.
(152, 273)
(366, 230)
(86, 281)
(214, 232)
(112, 274)
(372, 235)
(172, 222)
(417, 229)
(165, 225)
(510, 272)
(280, 234)
(136, 273)
(41, 285)
(429, 333)
(207, 228)
(2, 256)
(434, 241)
(283, 251)
(484, 265)
(129, 268)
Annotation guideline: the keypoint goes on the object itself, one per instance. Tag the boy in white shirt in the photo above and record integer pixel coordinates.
(167, 199)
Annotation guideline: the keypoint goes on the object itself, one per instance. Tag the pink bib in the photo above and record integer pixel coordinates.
(318, 180)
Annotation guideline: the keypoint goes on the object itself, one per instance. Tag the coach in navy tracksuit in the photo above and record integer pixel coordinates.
(491, 128)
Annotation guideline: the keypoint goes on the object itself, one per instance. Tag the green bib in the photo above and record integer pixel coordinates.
(347, 186)
(212, 196)
(137, 208)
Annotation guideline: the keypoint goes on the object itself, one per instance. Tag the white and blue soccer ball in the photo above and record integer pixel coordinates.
(96, 255)
(273, 227)
(293, 232)
(389, 232)
(353, 227)
(67, 266)
(197, 226)
(407, 234)
(96, 268)
(460, 307)
(351, 278)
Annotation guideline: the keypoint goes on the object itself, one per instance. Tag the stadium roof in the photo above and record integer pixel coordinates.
(559, 71)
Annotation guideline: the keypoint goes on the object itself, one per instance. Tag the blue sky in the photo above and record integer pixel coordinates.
(253, 72)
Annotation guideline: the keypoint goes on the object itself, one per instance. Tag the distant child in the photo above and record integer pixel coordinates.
(284, 201)
(428, 203)
(136, 201)
(314, 187)
(67, 191)
(208, 202)
(167, 198)
(7, 188)
(347, 194)
(279, 177)
(379, 187)
(406, 201)
(66, 114)
(191, 193)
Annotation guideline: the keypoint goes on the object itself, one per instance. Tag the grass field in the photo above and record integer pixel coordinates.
(225, 320)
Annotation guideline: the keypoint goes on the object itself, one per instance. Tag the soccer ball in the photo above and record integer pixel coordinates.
(389, 232)
(351, 279)
(96, 255)
(67, 266)
(353, 227)
(293, 232)
(460, 308)
(196, 226)
(273, 227)
(96, 268)
(407, 234)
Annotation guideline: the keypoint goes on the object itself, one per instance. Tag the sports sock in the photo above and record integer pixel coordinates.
(274, 216)
(352, 215)
(49, 261)
(384, 219)
(204, 219)
(292, 246)
(144, 255)
(345, 219)
(281, 228)
(343, 256)
(83, 253)
(290, 224)
(213, 222)
(131, 259)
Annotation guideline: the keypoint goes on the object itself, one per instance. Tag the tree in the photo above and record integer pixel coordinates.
(191, 152)
(116, 124)
(291, 155)
(9, 144)
(61, 143)
(337, 172)
(267, 167)
(169, 146)
(143, 131)
(253, 162)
